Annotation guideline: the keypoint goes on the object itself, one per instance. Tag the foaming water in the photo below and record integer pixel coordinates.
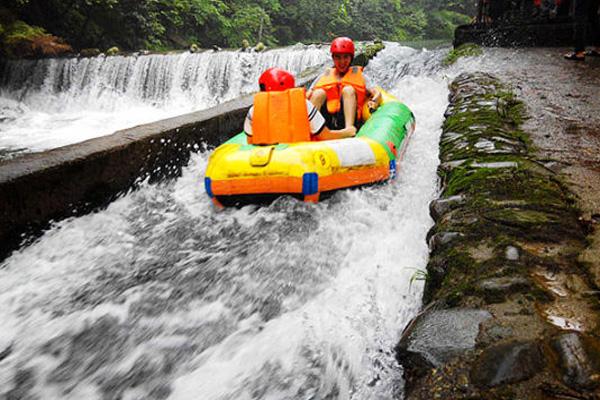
(159, 296)
(51, 103)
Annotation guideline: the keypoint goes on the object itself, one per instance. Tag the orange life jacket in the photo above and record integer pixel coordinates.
(280, 117)
(333, 87)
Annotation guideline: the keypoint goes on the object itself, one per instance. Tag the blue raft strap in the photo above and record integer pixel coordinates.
(310, 183)
(392, 169)
(208, 187)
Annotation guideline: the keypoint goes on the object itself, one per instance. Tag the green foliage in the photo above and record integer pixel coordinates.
(249, 23)
(464, 50)
(160, 24)
(19, 30)
(418, 275)
(441, 24)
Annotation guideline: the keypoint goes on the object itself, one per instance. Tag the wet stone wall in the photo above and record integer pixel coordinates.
(509, 313)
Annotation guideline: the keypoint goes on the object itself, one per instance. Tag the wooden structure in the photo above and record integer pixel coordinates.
(519, 23)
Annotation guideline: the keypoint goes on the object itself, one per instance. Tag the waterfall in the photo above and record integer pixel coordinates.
(53, 102)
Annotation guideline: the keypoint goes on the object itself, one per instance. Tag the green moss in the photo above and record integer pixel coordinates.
(504, 205)
(19, 31)
(367, 53)
(371, 50)
(113, 51)
(464, 50)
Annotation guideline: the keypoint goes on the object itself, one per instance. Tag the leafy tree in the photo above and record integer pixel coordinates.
(162, 24)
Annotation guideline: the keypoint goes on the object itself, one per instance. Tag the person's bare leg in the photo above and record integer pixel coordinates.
(349, 96)
(318, 98)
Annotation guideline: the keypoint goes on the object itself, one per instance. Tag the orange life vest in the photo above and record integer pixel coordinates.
(333, 87)
(280, 117)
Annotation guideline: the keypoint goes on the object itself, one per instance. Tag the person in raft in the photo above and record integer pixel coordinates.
(341, 91)
(280, 80)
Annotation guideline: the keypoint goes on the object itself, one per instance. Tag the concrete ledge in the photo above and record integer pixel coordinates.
(72, 180)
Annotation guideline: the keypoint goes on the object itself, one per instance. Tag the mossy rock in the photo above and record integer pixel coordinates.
(260, 46)
(464, 50)
(113, 51)
(367, 53)
(92, 52)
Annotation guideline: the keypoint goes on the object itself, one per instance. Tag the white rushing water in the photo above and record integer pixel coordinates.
(159, 296)
(51, 103)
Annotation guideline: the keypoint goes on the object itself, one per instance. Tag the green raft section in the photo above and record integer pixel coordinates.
(389, 125)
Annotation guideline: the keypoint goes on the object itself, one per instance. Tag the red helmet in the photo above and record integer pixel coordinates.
(342, 45)
(276, 80)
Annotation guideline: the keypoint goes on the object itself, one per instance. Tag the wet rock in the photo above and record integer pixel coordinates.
(450, 165)
(495, 333)
(579, 360)
(439, 207)
(442, 238)
(435, 337)
(495, 290)
(489, 146)
(436, 270)
(511, 253)
(495, 165)
(92, 52)
(507, 363)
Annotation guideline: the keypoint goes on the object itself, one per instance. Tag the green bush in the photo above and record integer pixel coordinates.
(19, 31)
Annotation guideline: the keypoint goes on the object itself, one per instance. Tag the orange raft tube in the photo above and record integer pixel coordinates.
(241, 173)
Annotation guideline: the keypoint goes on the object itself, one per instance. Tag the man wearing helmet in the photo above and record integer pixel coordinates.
(341, 91)
(279, 80)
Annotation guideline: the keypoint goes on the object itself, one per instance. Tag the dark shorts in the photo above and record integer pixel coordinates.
(337, 121)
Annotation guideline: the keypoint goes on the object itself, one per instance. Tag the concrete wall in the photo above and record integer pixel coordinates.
(40, 187)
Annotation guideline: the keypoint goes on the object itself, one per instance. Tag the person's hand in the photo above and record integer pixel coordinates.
(350, 131)
(372, 105)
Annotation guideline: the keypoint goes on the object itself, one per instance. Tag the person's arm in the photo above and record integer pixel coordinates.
(310, 89)
(373, 94)
(374, 98)
(248, 122)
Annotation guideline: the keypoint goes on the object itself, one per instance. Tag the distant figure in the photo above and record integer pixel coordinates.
(341, 91)
(585, 14)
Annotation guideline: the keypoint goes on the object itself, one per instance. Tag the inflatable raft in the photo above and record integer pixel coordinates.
(241, 173)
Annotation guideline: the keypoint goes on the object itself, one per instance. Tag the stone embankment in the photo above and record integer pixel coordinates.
(510, 312)
(37, 188)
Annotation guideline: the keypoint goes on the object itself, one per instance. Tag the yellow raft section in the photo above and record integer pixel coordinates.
(306, 168)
